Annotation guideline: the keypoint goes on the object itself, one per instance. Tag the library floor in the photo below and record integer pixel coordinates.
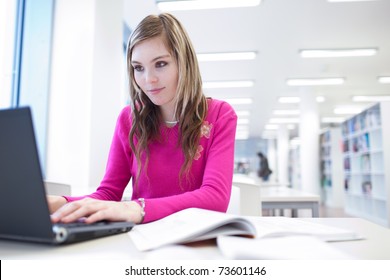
(329, 212)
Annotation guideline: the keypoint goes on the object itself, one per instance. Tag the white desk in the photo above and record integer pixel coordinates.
(287, 198)
(375, 246)
(254, 180)
(256, 195)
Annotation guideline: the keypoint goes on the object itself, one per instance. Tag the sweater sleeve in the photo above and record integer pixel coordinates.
(214, 192)
(118, 171)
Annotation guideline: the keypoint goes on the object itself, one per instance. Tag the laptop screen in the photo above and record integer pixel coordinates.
(23, 206)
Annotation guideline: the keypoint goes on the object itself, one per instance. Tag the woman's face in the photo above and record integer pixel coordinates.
(156, 73)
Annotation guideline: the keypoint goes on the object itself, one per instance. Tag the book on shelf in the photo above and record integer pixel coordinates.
(366, 185)
(346, 184)
(194, 224)
(345, 146)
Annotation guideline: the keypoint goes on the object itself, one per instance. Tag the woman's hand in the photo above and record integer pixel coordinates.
(93, 210)
(55, 202)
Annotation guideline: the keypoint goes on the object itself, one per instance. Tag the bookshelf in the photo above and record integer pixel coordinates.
(331, 168)
(366, 159)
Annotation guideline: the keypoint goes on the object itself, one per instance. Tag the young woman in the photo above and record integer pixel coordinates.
(175, 144)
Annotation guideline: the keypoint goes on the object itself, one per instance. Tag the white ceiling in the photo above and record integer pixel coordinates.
(277, 30)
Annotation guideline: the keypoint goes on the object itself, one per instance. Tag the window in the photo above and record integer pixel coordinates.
(25, 60)
(8, 30)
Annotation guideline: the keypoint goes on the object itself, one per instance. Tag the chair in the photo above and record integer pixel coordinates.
(53, 188)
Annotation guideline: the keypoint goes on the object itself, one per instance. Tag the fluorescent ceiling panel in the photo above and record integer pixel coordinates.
(315, 81)
(289, 99)
(337, 53)
(242, 128)
(347, 110)
(226, 56)
(242, 113)
(276, 126)
(205, 4)
(371, 98)
(320, 99)
(286, 112)
(332, 119)
(271, 126)
(384, 80)
(296, 99)
(283, 120)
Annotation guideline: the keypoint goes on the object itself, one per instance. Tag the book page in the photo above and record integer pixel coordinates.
(283, 226)
(188, 225)
(195, 224)
(279, 248)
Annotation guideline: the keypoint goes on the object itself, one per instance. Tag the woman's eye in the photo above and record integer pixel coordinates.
(161, 64)
(138, 68)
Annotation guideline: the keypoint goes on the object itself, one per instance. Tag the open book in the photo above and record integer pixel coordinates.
(195, 224)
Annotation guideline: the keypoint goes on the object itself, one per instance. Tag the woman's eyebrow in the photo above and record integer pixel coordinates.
(154, 59)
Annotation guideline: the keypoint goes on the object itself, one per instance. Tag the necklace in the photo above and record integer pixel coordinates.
(171, 122)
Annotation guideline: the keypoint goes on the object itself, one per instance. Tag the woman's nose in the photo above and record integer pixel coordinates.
(151, 77)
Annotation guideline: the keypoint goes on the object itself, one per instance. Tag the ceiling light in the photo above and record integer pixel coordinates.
(332, 120)
(228, 84)
(242, 128)
(204, 4)
(284, 120)
(315, 82)
(320, 99)
(242, 113)
(338, 53)
(295, 99)
(226, 56)
(238, 101)
(276, 126)
(347, 110)
(289, 99)
(371, 98)
(384, 80)
(286, 112)
(271, 126)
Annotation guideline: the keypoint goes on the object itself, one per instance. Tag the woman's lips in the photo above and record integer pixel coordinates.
(155, 90)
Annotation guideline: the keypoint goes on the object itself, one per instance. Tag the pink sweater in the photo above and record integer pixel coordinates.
(210, 179)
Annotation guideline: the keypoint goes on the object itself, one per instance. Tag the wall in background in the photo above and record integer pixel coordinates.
(87, 90)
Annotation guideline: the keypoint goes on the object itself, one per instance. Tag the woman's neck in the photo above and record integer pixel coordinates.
(168, 116)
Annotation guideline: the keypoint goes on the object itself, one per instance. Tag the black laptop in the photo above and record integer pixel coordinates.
(24, 212)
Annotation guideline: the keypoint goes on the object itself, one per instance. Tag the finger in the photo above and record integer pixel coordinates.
(81, 211)
(98, 216)
(61, 212)
(69, 212)
(111, 211)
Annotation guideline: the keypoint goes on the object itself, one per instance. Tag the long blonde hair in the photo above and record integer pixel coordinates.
(191, 103)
